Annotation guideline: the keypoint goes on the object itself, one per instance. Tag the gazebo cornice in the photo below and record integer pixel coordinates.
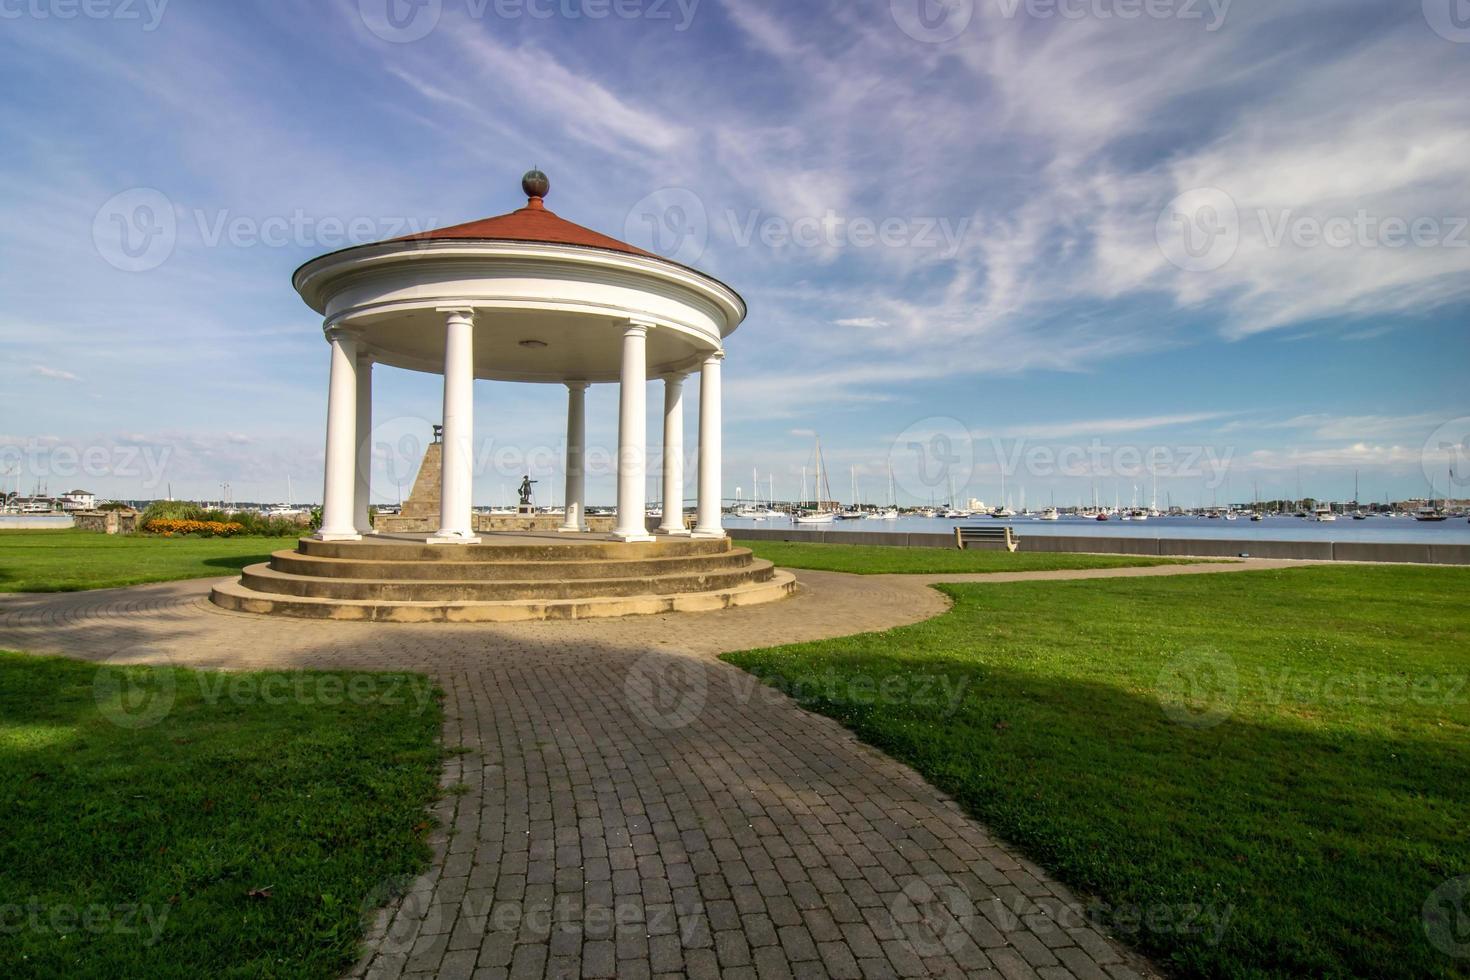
(314, 279)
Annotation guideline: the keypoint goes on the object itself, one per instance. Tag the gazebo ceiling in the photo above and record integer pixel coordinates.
(523, 345)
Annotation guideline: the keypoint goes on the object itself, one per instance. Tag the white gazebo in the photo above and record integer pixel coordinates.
(528, 297)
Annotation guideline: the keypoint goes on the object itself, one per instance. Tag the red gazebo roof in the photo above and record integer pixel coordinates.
(532, 223)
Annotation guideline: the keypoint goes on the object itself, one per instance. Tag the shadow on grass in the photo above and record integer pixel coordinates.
(165, 822)
(236, 562)
(1317, 849)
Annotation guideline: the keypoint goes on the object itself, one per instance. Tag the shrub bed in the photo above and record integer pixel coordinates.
(250, 523)
(208, 529)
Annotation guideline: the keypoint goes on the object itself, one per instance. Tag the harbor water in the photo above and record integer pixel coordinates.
(1388, 530)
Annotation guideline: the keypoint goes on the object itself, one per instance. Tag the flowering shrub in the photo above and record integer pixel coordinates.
(209, 529)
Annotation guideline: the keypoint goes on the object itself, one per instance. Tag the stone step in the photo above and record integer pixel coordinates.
(264, 579)
(518, 548)
(295, 563)
(237, 597)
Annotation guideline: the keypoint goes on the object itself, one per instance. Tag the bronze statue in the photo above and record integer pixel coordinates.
(526, 485)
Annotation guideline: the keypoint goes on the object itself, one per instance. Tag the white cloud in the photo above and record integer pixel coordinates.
(1112, 426)
(53, 374)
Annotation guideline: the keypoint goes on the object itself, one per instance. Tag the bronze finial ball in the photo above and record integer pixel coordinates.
(535, 184)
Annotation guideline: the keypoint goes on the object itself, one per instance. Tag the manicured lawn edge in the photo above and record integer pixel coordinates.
(890, 560)
(78, 561)
(246, 823)
(1317, 816)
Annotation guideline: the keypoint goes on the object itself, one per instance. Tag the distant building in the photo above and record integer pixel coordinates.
(78, 500)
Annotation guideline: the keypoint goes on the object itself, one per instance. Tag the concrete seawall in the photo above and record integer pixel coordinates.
(1419, 553)
(35, 522)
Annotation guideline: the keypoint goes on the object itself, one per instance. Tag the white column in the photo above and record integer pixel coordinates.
(708, 524)
(633, 436)
(673, 522)
(576, 497)
(363, 491)
(337, 492)
(457, 480)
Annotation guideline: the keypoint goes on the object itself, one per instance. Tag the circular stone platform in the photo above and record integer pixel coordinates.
(506, 578)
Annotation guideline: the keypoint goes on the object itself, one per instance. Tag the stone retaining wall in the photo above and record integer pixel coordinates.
(485, 523)
(1421, 553)
(107, 521)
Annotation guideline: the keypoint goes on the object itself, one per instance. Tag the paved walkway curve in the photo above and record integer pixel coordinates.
(632, 806)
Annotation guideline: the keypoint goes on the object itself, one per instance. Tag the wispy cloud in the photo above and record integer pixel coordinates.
(53, 374)
(1109, 426)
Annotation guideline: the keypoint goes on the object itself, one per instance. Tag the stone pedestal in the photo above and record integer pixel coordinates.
(421, 509)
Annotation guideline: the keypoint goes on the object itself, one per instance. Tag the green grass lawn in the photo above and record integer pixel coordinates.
(162, 822)
(72, 561)
(881, 560)
(1283, 752)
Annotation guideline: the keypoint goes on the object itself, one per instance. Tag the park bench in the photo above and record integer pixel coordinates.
(986, 537)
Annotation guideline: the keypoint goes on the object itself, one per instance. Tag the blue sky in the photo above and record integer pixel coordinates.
(1231, 235)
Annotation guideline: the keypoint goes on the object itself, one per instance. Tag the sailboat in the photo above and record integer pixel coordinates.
(1430, 514)
(889, 513)
(1358, 514)
(1003, 510)
(855, 512)
(756, 510)
(285, 509)
(818, 515)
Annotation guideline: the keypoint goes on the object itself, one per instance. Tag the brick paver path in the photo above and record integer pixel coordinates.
(634, 807)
